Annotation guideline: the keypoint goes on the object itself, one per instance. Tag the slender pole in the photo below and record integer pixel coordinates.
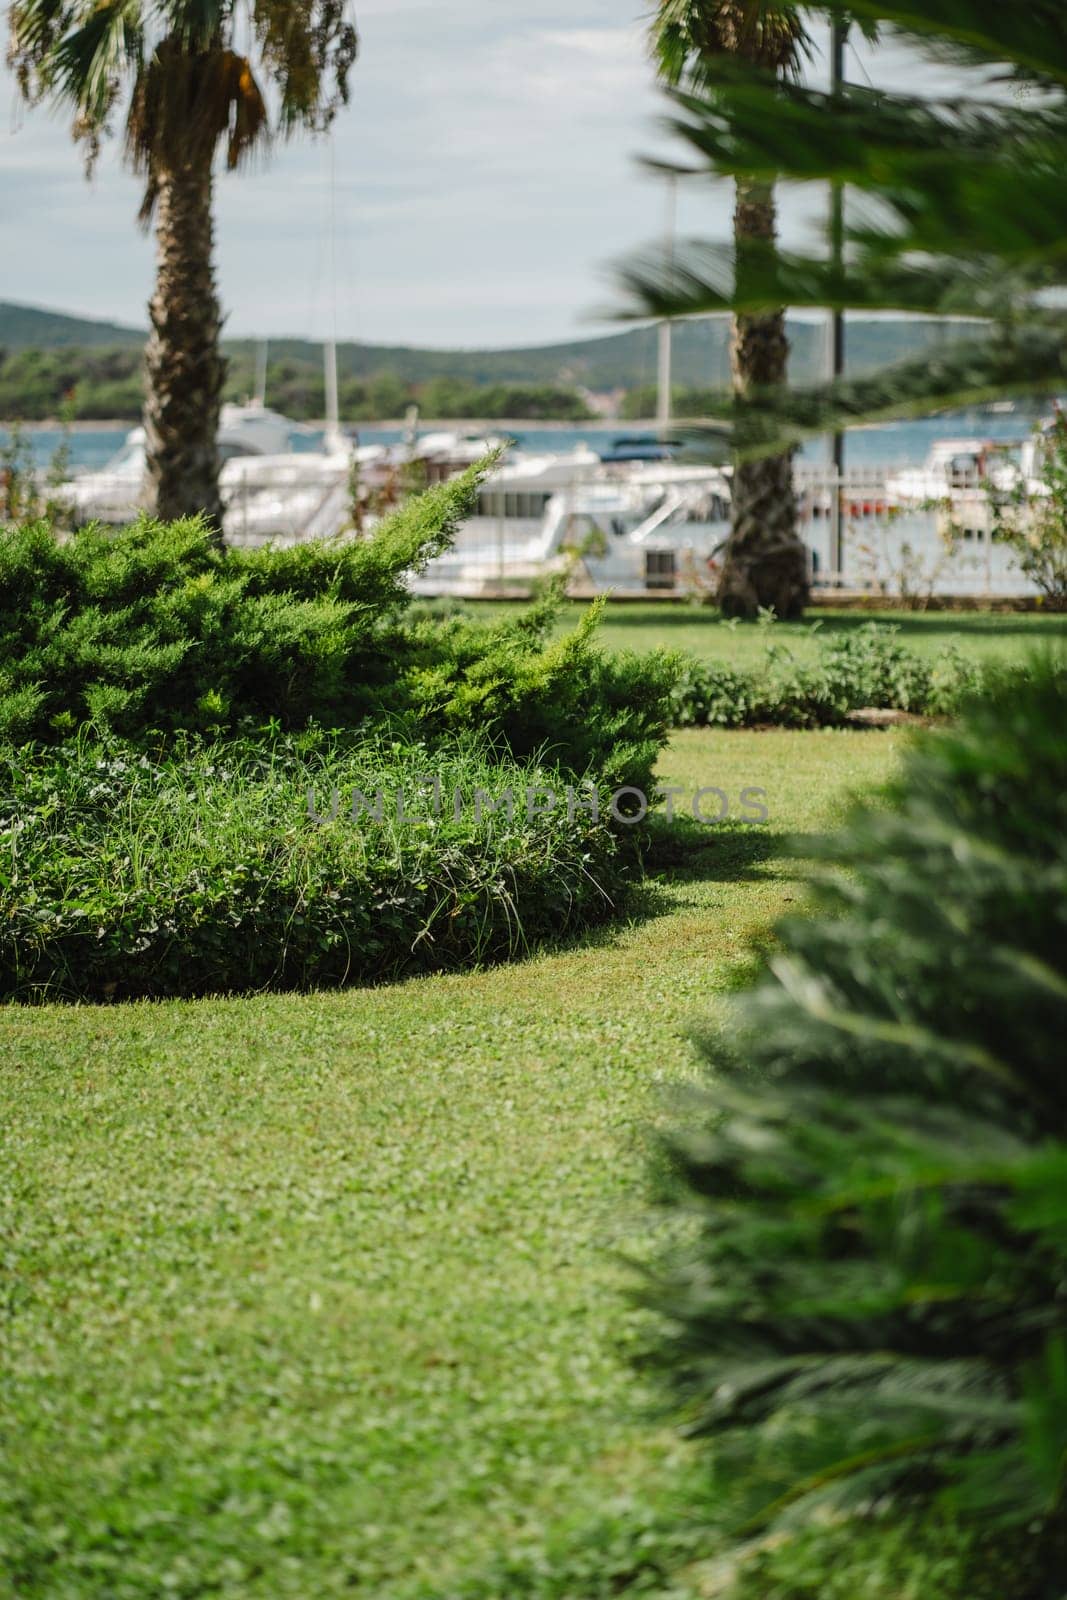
(333, 439)
(663, 375)
(260, 396)
(333, 416)
(839, 38)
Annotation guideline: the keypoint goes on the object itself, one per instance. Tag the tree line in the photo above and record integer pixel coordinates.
(100, 384)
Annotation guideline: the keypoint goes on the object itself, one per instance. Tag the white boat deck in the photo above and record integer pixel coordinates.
(652, 528)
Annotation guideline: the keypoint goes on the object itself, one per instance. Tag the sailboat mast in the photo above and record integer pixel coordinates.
(333, 414)
(260, 396)
(663, 378)
(664, 353)
(838, 41)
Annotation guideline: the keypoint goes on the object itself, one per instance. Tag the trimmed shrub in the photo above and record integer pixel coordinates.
(590, 713)
(162, 707)
(240, 866)
(866, 1303)
(154, 629)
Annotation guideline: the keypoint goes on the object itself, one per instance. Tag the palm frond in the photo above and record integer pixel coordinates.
(196, 25)
(983, 33)
(691, 39)
(309, 51)
(705, 279)
(865, 1305)
(79, 53)
(189, 89)
(954, 209)
(754, 125)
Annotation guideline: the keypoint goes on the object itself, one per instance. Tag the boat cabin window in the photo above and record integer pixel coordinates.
(963, 468)
(236, 452)
(659, 569)
(710, 508)
(521, 504)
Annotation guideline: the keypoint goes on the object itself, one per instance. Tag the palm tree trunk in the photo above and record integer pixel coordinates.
(184, 367)
(765, 563)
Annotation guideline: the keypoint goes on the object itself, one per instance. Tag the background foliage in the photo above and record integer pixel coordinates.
(44, 355)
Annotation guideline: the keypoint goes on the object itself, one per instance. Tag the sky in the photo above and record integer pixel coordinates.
(482, 181)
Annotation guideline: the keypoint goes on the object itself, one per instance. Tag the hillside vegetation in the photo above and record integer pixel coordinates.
(44, 355)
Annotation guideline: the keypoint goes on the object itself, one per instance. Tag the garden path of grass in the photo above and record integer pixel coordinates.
(316, 1295)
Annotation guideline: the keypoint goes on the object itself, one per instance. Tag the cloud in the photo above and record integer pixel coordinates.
(482, 173)
(482, 180)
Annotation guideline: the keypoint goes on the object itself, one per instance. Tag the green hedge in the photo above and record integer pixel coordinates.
(163, 703)
(154, 629)
(208, 871)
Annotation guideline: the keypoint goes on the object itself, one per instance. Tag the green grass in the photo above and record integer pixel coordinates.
(984, 635)
(314, 1295)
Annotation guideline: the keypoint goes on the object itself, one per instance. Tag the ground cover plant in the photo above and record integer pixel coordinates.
(867, 1310)
(285, 863)
(284, 1311)
(869, 668)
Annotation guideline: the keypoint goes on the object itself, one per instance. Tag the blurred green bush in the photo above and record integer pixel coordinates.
(863, 1301)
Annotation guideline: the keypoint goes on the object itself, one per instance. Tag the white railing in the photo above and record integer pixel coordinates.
(888, 532)
(872, 530)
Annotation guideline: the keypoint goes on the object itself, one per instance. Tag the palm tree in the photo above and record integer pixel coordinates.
(192, 75)
(765, 563)
(965, 217)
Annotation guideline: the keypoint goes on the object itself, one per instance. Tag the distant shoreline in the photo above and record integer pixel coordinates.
(56, 424)
(1022, 415)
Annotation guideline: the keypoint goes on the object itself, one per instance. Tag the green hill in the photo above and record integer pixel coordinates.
(30, 328)
(43, 354)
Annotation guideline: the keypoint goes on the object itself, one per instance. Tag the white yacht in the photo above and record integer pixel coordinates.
(635, 535)
(252, 442)
(956, 466)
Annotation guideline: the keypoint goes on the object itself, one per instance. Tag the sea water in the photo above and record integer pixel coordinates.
(895, 444)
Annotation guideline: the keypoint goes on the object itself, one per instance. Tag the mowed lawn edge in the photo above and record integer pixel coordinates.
(314, 1294)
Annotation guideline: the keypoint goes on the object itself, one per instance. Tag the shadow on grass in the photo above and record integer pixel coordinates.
(726, 852)
(679, 853)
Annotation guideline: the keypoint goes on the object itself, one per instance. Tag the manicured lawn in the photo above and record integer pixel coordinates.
(317, 1295)
(644, 625)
